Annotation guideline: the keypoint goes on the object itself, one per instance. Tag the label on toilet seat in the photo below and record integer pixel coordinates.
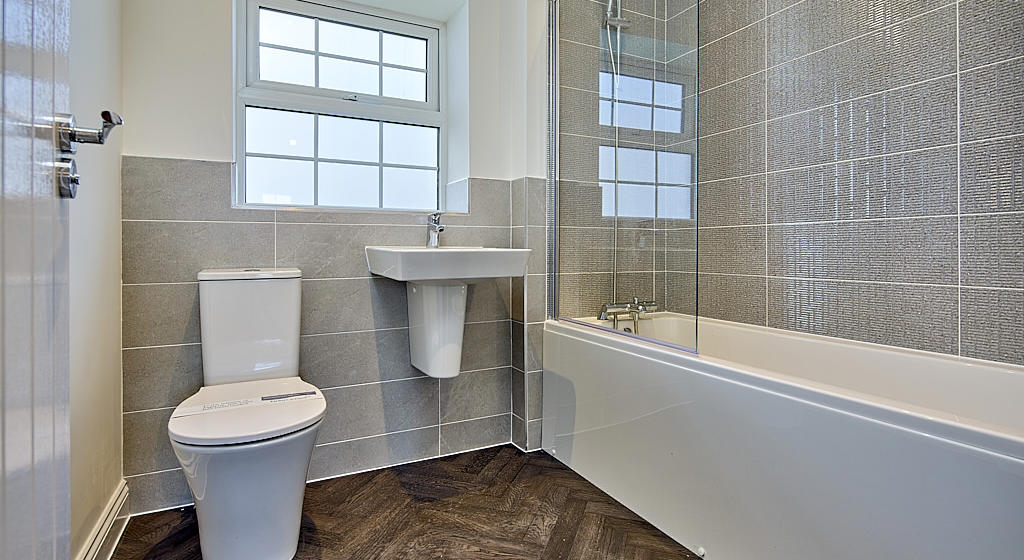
(265, 400)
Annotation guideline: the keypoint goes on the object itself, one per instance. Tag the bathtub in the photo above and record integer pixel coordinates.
(776, 445)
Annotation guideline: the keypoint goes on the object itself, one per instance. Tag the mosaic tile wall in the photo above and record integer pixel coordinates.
(862, 170)
(627, 156)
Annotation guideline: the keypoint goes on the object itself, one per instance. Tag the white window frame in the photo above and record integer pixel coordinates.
(250, 91)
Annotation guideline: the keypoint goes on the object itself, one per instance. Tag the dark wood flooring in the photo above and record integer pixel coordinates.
(492, 503)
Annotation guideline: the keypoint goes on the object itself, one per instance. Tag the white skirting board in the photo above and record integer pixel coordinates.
(107, 532)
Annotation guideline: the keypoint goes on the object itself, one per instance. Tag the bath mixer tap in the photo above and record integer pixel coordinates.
(636, 310)
(434, 227)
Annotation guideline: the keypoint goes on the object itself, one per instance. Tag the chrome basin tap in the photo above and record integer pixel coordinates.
(434, 228)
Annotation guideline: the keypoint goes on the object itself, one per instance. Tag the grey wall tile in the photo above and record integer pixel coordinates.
(180, 189)
(909, 184)
(581, 295)
(629, 285)
(738, 55)
(580, 65)
(535, 389)
(721, 17)
(992, 101)
(581, 21)
(990, 31)
(489, 203)
(518, 195)
(536, 201)
(518, 391)
(489, 300)
(909, 316)
(812, 25)
(733, 105)
(177, 251)
(583, 204)
(330, 306)
(337, 251)
(476, 394)
(732, 202)
(486, 345)
(880, 124)
(536, 242)
(777, 5)
(682, 71)
(375, 452)
(471, 434)
(577, 156)
(675, 7)
(731, 154)
(731, 250)
(680, 292)
(147, 447)
(533, 434)
(990, 325)
(536, 298)
(731, 298)
(586, 249)
(337, 360)
(680, 36)
(992, 176)
(158, 314)
(519, 432)
(917, 250)
(634, 249)
(992, 250)
(676, 250)
(160, 376)
(157, 491)
(476, 236)
(534, 347)
(370, 410)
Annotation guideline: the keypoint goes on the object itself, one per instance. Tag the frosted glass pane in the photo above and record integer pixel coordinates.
(606, 162)
(412, 189)
(669, 95)
(278, 181)
(287, 30)
(352, 139)
(607, 199)
(405, 84)
(633, 116)
(289, 67)
(405, 51)
(668, 120)
(675, 203)
(278, 132)
(638, 90)
(342, 184)
(346, 40)
(675, 169)
(604, 115)
(636, 165)
(349, 76)
(636, 201)
(410, 145)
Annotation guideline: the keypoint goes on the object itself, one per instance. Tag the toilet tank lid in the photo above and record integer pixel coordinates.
(248, 273)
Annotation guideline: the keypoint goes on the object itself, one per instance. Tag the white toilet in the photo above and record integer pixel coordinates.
(245, 439)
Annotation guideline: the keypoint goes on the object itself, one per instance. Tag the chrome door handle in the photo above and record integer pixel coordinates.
(68, 133)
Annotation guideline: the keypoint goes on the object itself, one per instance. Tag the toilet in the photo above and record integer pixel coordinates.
(244, 440)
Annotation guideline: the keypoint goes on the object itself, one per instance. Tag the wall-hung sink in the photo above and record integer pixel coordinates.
(436, 283)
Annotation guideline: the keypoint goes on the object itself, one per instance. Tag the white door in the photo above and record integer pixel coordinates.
(33, 284)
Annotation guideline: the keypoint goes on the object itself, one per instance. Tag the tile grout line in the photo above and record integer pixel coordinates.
(766, 167)
(959, 233)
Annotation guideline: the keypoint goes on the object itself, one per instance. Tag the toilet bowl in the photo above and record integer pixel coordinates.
(245, 439)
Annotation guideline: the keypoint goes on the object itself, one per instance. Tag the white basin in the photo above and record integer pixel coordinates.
(436, 279)
(411, 264)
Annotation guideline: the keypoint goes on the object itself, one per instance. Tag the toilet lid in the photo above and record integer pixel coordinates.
(246, 411)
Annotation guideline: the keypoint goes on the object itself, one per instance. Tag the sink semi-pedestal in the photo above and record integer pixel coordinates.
(437, 280)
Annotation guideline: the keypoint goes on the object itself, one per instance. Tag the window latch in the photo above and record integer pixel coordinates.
(352, 97)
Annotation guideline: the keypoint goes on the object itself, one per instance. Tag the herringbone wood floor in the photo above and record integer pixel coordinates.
(492, 503)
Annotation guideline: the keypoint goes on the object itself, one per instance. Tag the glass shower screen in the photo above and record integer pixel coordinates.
(624, 77)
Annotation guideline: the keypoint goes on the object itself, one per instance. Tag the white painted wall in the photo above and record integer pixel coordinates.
(178, 78)
(95, 270)
(178, 82)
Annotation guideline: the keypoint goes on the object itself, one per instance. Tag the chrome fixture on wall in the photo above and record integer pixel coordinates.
(434, 228)
(68, 134)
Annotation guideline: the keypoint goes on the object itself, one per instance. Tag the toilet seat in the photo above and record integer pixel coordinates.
(234, 413)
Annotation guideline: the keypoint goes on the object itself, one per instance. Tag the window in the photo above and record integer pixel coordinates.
(630, 102)
(639, 183)
(338, 108)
